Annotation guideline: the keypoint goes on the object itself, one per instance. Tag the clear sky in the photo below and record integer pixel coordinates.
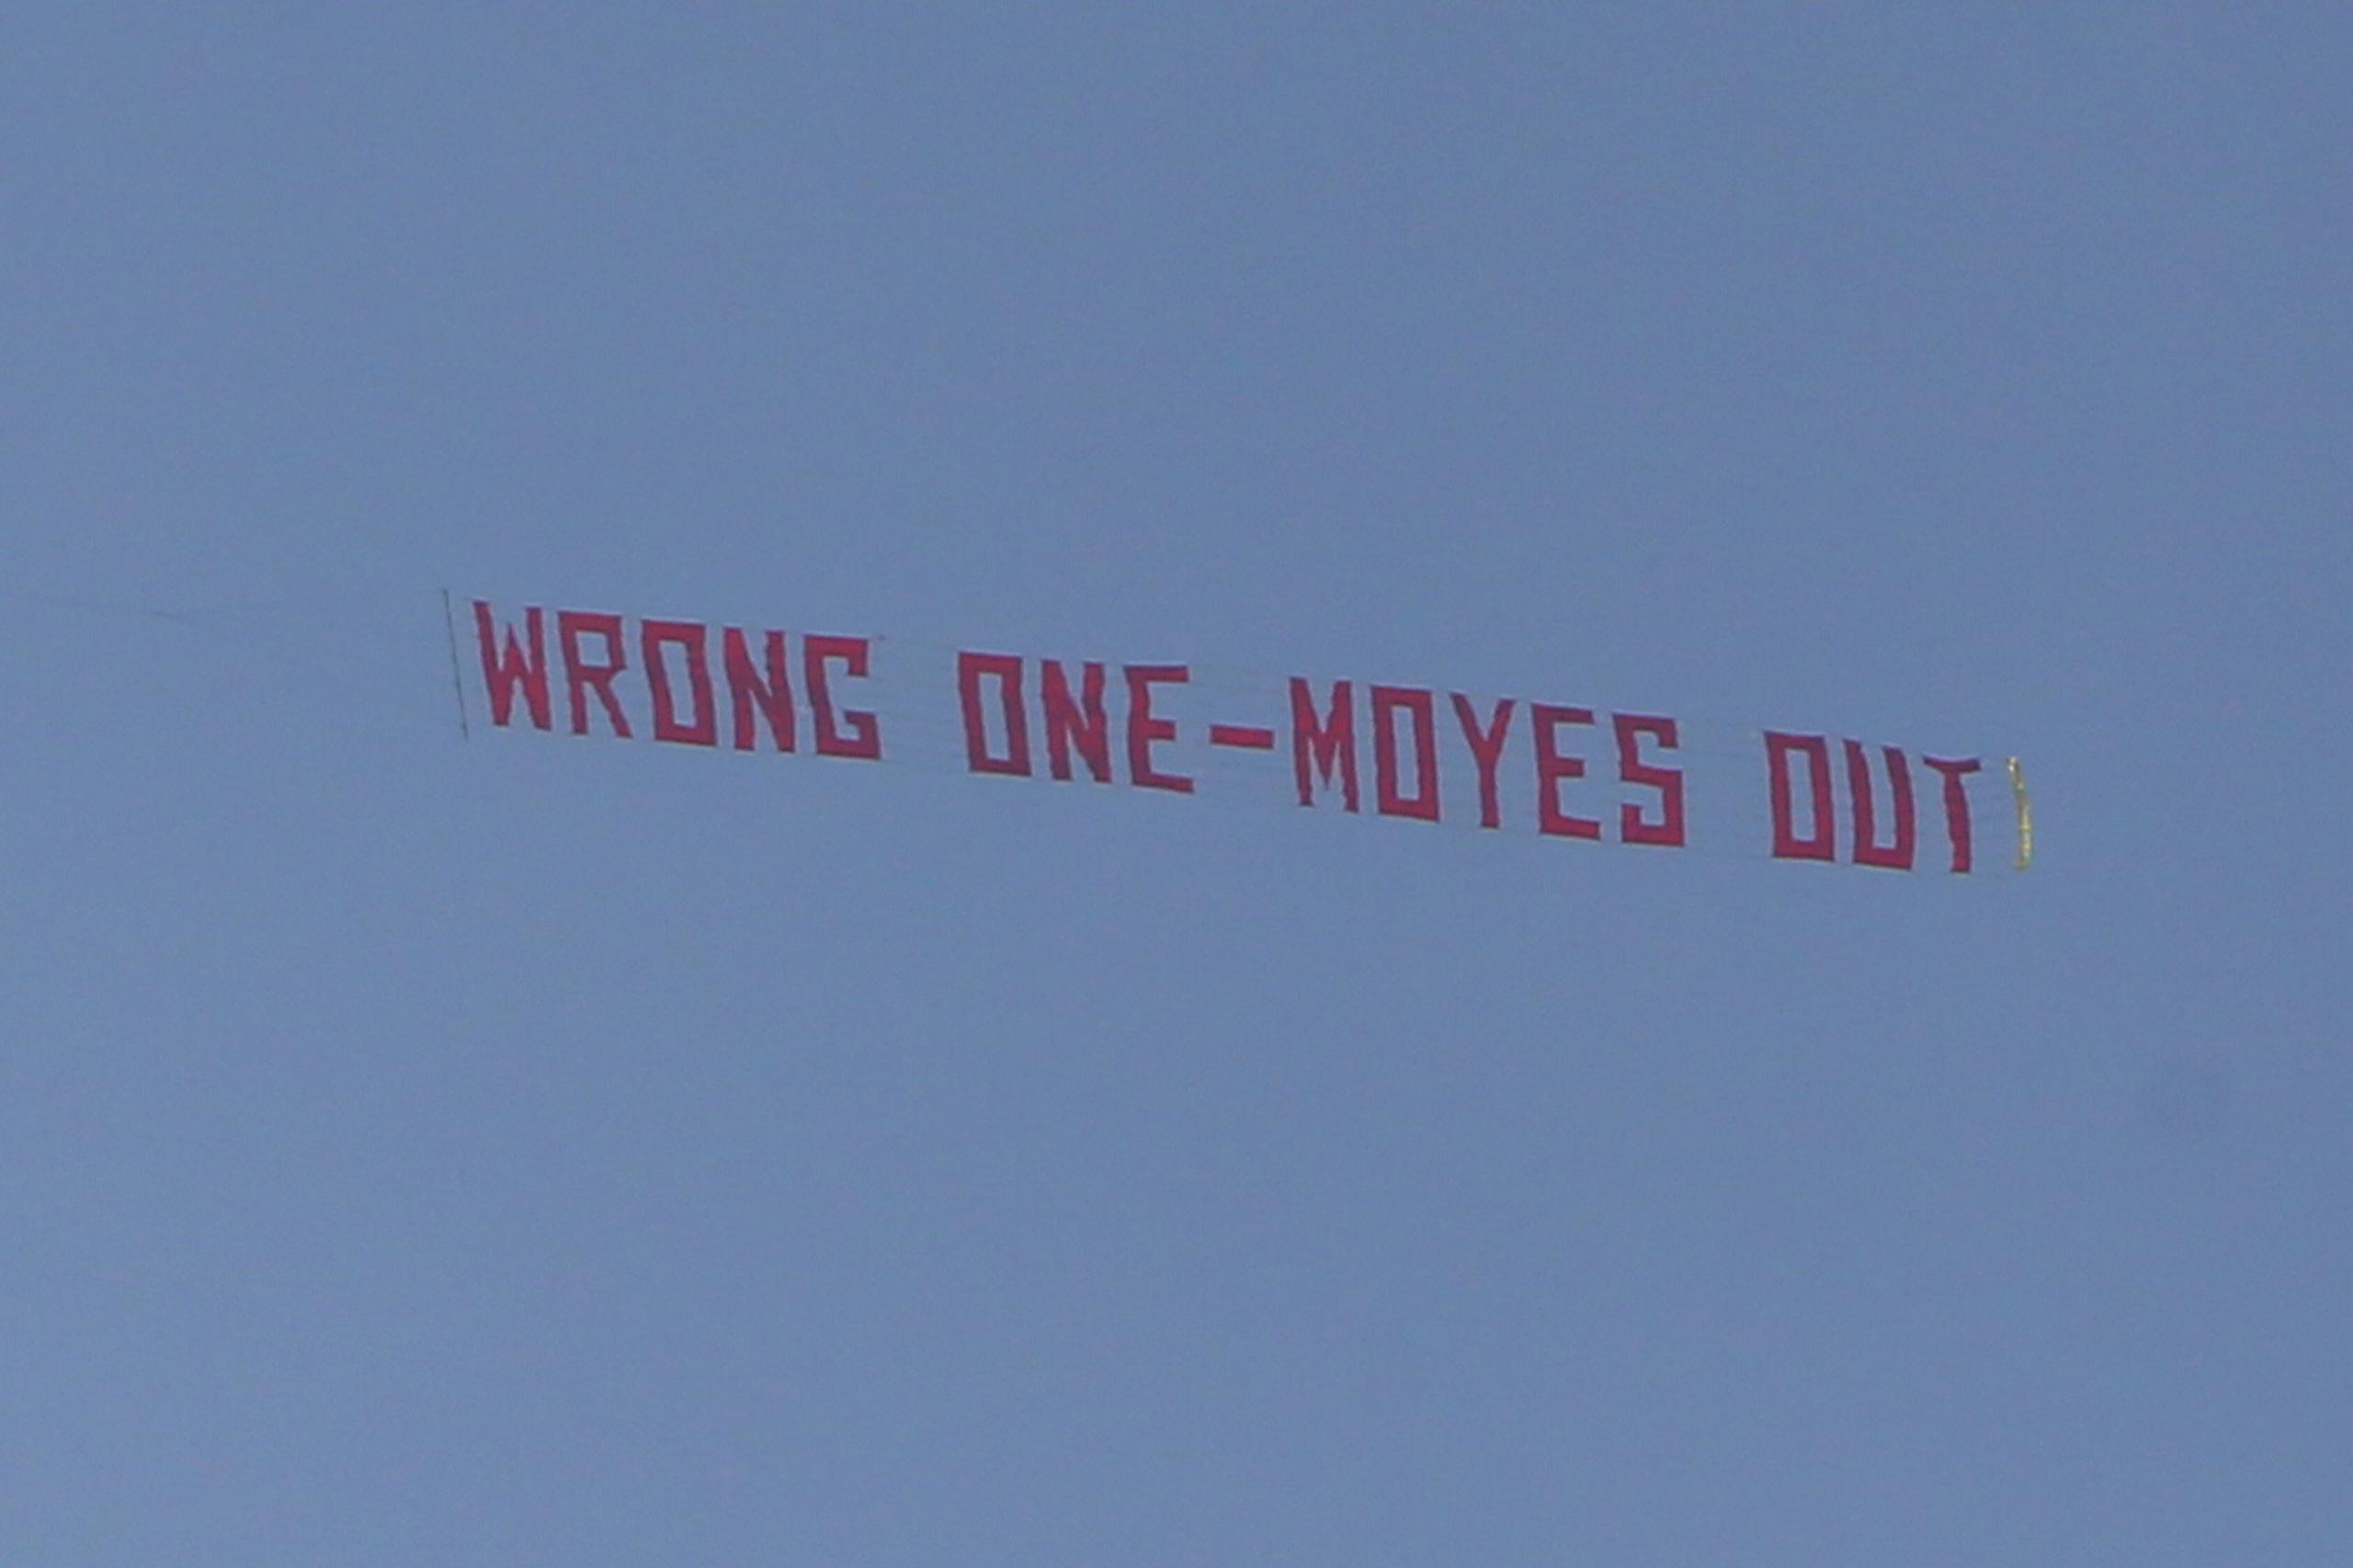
(544, 1153)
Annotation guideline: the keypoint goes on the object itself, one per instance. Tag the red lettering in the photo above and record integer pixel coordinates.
(695, 638)
(582, 677)
(1487, 751)
(1144, 729)
(852, 733)
(1632, 826)
(1896, 856)
(502, 672)
(1957, 823)
(1551, 768)
(1081, 724)
(1817, 845)
(1325, 743)
(1388, 701)
(753, 696)
(1006, 670)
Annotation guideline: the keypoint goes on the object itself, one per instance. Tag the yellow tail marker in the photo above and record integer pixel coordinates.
(2026, 815)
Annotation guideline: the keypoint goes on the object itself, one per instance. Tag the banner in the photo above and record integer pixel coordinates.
(1544, 766)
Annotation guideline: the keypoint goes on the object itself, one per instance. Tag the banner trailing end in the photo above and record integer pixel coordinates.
(2025, 814)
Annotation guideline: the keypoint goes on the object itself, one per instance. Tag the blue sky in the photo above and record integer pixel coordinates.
(549, 1153)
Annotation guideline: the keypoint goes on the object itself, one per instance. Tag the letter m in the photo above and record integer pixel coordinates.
(1324, 743)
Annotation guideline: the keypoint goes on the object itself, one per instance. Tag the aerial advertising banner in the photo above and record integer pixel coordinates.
(1543, 765)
